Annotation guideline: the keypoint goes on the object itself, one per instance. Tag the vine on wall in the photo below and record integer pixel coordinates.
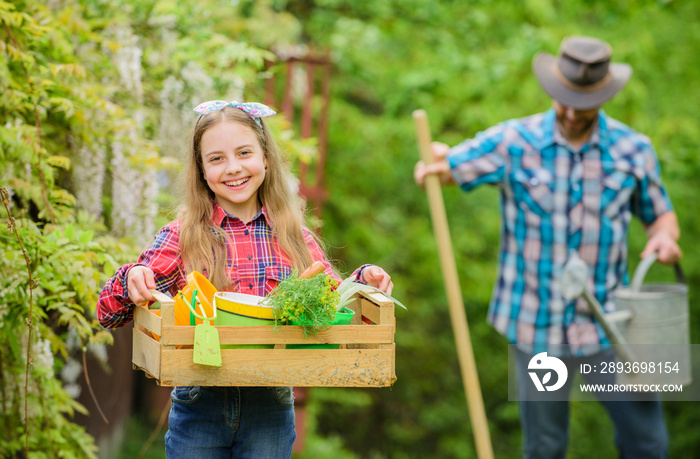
(96, 96)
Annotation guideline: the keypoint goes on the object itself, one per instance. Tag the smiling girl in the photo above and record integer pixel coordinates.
(242, 225)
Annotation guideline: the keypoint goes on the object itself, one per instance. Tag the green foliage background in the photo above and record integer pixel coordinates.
(467, 63)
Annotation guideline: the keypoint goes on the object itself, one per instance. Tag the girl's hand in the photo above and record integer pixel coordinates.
(377, 277)
(138, 282)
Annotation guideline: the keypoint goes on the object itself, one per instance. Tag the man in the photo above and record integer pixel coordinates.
(570, 179)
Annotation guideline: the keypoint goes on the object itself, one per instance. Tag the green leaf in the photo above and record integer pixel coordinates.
(85, 236)
(69, 233)
(61, 162)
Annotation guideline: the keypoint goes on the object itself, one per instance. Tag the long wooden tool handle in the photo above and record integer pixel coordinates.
(460, 327)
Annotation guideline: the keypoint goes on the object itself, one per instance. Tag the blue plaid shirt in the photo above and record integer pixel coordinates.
(556, 200)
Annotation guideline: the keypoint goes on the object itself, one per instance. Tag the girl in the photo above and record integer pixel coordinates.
(242, 225)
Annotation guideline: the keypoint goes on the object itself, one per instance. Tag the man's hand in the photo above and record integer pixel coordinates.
(138, 282)
(440, 167)
(663, 234)
(667, 248)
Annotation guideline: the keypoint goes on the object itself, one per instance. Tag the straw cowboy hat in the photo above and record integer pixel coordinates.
(581, 76)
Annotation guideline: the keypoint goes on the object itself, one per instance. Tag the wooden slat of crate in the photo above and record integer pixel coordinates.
(148, 320)
(338, 334)
(146, 354)
(377, 308)
(283, 367)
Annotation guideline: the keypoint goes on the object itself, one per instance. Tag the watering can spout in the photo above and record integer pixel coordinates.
(574, 285)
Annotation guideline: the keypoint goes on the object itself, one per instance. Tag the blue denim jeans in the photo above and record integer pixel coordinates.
(640, 430)
(231, 422)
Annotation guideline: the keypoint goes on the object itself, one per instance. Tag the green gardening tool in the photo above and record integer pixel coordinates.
(207, 349)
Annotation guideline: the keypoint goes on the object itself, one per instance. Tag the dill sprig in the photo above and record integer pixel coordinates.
(310, 303)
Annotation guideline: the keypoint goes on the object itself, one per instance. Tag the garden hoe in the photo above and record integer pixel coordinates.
(460, 327)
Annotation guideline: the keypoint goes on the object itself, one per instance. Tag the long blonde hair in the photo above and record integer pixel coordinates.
(203, 244)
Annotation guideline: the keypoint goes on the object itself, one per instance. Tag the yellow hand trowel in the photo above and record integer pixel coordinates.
(207, 349)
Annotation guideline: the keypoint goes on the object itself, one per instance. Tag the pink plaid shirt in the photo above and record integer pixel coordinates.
(255, 264)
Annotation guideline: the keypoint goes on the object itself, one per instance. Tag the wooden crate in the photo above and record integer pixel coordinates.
(365, 358)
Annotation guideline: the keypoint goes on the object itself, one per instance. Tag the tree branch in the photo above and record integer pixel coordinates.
(31, 284)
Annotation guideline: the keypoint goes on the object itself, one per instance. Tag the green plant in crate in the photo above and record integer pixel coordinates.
(309, 302)
(312, 299)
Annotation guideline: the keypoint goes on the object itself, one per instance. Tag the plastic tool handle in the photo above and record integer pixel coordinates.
(316, 268)
(194, 313)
